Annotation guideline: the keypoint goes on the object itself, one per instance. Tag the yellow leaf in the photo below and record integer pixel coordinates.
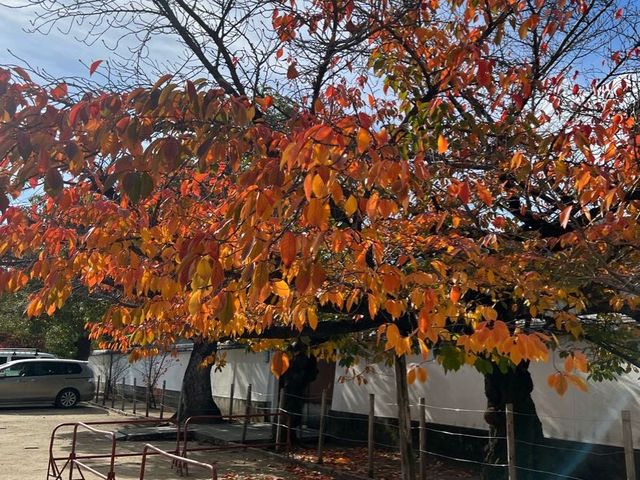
(279, 364)
(280, 288)
(350, 206)
(578, 382)
(443, 144)
(195, 302)
(424, 350)
(393, 336)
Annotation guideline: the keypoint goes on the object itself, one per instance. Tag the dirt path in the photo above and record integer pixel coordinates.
(24, 450)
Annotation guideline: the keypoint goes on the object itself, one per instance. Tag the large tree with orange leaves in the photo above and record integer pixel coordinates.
(438, 171)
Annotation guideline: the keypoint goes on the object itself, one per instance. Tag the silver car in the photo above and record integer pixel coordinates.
(38, 381)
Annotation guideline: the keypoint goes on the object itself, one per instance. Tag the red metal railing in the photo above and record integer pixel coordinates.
(59, 465)
(184, 450)
(174, 458)
(55, 470)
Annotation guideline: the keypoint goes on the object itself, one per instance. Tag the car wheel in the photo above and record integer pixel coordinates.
(67, 398)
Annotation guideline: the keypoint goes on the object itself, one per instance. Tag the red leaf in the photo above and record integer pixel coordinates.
(464, 193)
(292, 72)
(94, 66)
(288, 248)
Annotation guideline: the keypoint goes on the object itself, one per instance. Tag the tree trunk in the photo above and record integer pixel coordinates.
(197, 398)
(514, 387)
(404, 420)
(302, 371)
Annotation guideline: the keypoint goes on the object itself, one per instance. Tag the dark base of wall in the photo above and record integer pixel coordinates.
(560, 457)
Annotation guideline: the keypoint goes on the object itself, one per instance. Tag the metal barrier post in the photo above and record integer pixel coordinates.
(627, 440)
(113, 397)
(123, 397)
(164, 388)
(104, 392)
(98, 390)
(247, 411)
(370, 439)
(323, 408)
(511, 443)
(135, 395)
(423, 440)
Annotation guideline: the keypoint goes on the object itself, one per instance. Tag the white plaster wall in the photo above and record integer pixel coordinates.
(457, 398)
(241, 367)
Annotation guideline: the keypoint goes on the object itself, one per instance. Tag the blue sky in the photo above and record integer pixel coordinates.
(59, 54)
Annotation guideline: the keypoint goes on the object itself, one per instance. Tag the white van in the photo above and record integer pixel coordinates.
(11, 354)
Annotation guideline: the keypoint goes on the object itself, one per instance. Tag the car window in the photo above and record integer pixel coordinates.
(65, 368)
(15, 371)
(3, 360)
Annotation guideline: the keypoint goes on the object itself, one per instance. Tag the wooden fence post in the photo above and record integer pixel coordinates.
(372, 411)
(164, 389)
(511, 443)
(627, 440)
(279, 416)
(323, 408)
(123, 397)
(135, 395)
(247, 411)
(422, 445)
(231, 393)
(147, 400)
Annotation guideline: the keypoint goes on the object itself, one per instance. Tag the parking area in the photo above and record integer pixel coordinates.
(24, 450)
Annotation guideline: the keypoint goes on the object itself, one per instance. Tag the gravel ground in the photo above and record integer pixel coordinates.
(24, 450)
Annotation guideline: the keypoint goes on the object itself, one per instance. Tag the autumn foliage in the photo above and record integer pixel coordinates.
(454, 194)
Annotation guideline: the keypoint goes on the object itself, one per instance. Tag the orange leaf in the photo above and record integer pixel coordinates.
(558, 382)
(443, 144)
(454, 295)
(411, 376)
(279, 364)
(363, 140)
(565, 215)
(59, 92)
(288, 248)
(422, 374)
(580, 361)
(318, 213)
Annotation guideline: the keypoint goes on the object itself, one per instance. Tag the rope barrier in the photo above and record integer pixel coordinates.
(465, 460)
(561, 475)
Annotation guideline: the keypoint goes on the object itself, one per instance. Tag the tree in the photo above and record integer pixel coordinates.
(62, 334)
(442, 177)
